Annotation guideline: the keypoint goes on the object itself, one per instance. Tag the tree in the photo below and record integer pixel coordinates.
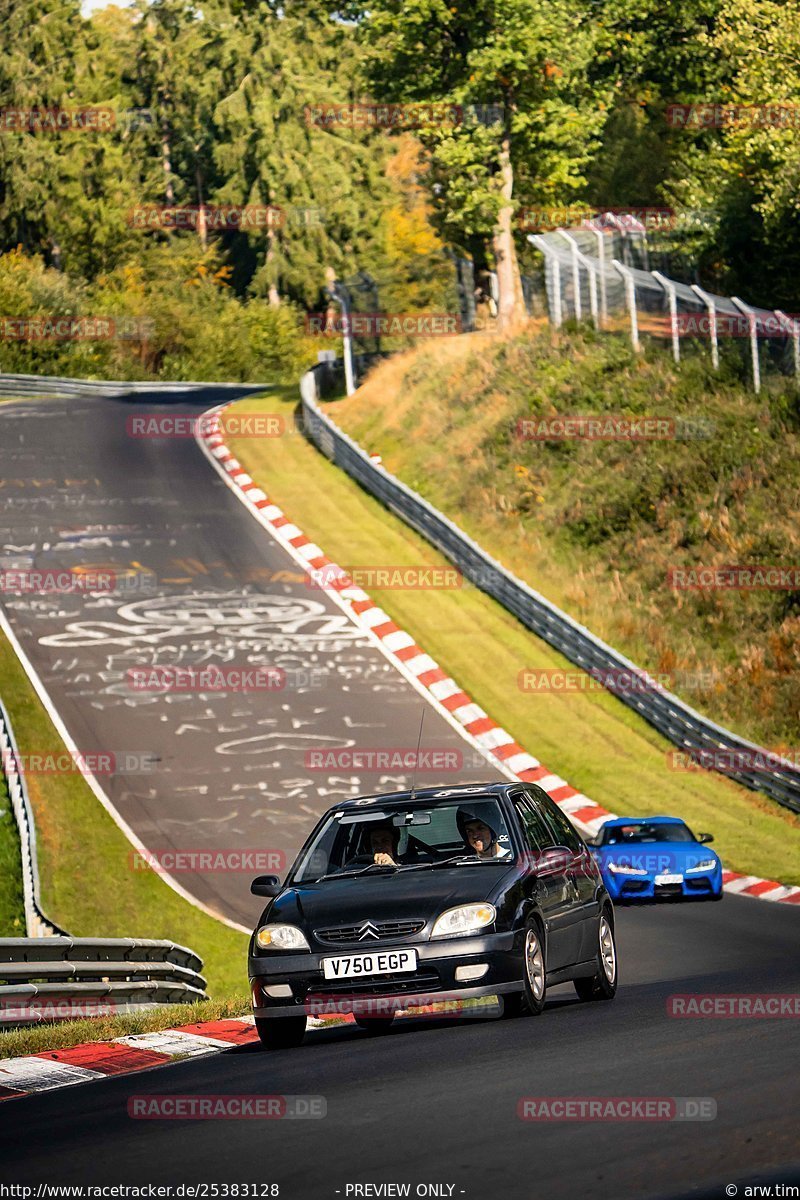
(519, 60)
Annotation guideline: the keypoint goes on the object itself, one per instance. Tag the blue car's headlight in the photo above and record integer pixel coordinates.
(708, 864)
(620, 869)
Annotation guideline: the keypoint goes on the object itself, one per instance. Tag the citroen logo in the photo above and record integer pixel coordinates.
(368, 930)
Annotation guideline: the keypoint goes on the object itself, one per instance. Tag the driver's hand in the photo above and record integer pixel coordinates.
(384, 860)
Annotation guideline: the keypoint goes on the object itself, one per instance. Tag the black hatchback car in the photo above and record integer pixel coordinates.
(443, 893)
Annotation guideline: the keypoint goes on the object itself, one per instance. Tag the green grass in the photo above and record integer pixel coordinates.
(35, 1040)
(12, 910)
(596, 525)
(592, 740)
(87, 886)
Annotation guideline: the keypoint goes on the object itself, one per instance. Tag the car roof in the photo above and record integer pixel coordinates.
(614, 821)
(467, 791)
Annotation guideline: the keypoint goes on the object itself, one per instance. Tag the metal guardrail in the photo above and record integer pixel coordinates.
(55, 385)
(36, 923)
(677, 721)
(58, 978)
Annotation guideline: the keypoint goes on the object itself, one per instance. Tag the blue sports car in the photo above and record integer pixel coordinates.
(647, 858)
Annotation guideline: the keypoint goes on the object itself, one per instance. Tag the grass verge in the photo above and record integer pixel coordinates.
(12, 906)
(86, 882)
(35, 1040)
(591, 739)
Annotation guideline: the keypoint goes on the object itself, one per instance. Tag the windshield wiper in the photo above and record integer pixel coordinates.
(444, 862)
(360, 871)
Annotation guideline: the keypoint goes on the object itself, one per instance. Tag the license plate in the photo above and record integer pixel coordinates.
(383, 962)
(668, 879)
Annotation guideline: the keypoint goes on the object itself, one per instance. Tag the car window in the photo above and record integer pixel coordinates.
(563, 832)
(426, 833)
(537, 834)
(645, 831)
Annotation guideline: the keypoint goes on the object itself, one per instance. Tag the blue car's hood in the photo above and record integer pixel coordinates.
(657, 858)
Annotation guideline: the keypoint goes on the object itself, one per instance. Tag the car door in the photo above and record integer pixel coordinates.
(581, 870)
(548, 886)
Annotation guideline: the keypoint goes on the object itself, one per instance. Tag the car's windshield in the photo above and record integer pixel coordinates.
(403, 836)
(647, 831)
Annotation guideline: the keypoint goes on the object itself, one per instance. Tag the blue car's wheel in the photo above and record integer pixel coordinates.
(603, 985)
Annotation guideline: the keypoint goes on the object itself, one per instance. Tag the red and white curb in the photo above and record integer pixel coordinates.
(411, 660)
(135, 1052)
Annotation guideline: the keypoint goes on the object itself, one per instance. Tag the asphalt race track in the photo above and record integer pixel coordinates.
(437, 1102)
(431, 1102)
(199, 583)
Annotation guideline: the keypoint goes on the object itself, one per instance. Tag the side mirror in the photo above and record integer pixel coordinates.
(705, 837)
(266, 885)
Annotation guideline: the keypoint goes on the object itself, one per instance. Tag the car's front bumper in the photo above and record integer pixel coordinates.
(637, 887)
(380, 995)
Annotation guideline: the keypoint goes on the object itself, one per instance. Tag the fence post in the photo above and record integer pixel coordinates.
(576, 274)
(339, 294)
(669, 288)
(711, 308)
(578, 257)
(601, 271)
(753, 328)
(630, 296)
(551, 257)
(791, 326)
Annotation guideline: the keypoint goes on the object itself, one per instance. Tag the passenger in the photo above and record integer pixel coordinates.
(480, 837)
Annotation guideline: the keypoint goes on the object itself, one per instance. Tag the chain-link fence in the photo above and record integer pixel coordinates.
(602, 272)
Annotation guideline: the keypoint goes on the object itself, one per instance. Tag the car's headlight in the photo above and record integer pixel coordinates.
(281, 937)
(620, 869)
(467, 918)
(707, 864)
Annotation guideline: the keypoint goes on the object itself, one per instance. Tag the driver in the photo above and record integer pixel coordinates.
(479, 836)
(384, 841)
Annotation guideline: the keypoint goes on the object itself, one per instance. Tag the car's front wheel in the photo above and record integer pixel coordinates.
(530, 1002)
(280, 1033)
(603, 985)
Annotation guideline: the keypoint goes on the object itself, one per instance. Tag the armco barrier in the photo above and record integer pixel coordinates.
(36, 923)
(56, 977)
(20, 386)
(677, 721)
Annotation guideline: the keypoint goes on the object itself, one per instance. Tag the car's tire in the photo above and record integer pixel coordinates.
(374, 1025)
(720, 895)
(530, 1002)
(280, 1033)
(603, 985)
